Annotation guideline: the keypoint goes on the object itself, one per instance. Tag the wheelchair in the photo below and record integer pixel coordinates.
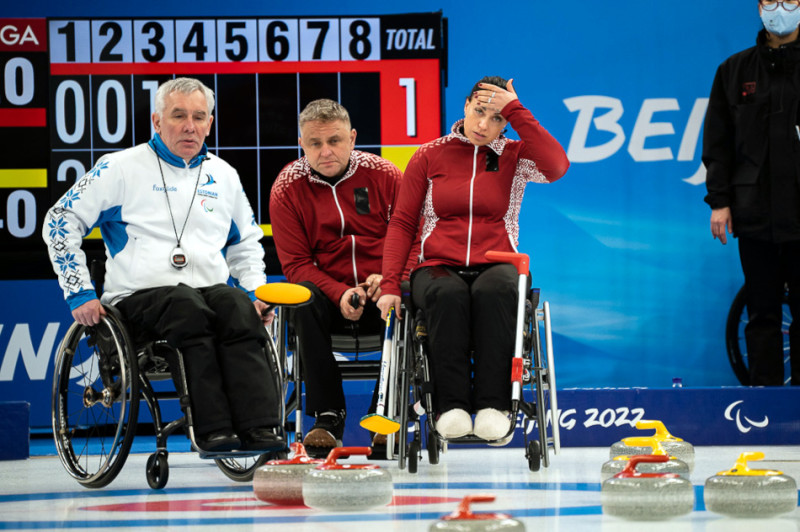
(736, 346)
(357, 354)
(100, 375)
(532, 366)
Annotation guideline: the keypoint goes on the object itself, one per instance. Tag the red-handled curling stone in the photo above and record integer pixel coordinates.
(463, 520)
(333, 486)
(281, 481)
(672, 465)
(673, 445)
(646, 496)
(744, 492)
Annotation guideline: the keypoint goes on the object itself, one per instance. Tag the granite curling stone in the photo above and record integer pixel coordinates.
(674, 446)
(281, 481)
(333, 486)
(744, 492)
(463, 520)
(646, 496)
(672, 465)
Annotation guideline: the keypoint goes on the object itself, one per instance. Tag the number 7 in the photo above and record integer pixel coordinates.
(322, 26)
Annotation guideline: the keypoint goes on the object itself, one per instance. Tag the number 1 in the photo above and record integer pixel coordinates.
(411, 105)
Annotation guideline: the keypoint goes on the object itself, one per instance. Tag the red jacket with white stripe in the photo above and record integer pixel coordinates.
(321, 234)
(462, 206)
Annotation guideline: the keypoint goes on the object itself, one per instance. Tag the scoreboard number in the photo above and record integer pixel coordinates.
(78, 88)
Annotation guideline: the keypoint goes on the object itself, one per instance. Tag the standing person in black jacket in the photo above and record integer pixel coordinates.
(751, 149)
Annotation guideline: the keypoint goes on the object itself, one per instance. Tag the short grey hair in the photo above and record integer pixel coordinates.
(184, 86)
(324, 110)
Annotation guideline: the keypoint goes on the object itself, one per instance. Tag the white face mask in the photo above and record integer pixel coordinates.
(779, 21)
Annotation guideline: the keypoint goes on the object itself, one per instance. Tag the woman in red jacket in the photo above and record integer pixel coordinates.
(463, 192)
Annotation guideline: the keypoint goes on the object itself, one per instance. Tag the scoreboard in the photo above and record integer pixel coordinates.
(74, 89)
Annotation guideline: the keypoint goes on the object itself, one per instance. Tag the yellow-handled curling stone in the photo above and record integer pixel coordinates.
(744, 492)
(672, 465)
(281, 481)
(333, 486)
(646, 496)
(673, 445)
(463, 520)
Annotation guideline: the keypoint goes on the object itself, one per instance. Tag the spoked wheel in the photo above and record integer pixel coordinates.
(157, 470)
(242, 469)
(533, 452)
(95, 400)
(735, 340)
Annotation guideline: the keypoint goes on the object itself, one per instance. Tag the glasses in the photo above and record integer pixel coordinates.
(772, 5)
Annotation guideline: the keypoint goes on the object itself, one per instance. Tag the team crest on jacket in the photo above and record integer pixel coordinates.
(206, 192)
(748, 88)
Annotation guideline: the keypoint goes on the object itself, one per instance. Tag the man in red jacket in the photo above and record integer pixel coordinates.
(329, 212)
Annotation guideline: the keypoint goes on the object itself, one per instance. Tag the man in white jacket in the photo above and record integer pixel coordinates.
(177, 227)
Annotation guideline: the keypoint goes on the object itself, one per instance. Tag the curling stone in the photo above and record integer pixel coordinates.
(646, 496)
(333, 486)
(744, 492)
(463, 520)
(672, 465)
(281, 481)
(674, 446)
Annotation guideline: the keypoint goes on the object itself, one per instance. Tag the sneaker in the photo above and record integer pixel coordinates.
(491, 424)
(454, 423)
(326, 433)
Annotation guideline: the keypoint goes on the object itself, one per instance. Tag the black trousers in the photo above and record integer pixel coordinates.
(471, 311)
(222, 340)
(314, 323)
(767, 268)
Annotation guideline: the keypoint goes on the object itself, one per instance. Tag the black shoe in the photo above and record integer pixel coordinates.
(218, 441)
(326, 433)
(262, 439)
(379, 443)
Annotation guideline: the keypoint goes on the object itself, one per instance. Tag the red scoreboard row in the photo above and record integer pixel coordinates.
(74, 89)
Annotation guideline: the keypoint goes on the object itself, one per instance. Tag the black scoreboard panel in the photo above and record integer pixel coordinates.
(72, 90)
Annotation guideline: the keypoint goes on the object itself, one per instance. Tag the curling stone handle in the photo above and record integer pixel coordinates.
(463, 510)
(661, 431)
(748, 456)
(643, 441)
(298, 449)
(741, 467)
(338, 452)
(630, 468)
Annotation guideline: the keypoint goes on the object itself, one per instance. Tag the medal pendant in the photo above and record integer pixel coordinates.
(178, 258)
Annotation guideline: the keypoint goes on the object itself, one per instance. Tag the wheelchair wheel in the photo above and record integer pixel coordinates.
(432, 444)
(242, 469)
(95, 400)
(157, 470)
(533, 452)
(413, 456)
(735, 342)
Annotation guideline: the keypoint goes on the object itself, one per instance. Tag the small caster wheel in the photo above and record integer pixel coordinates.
(413, 456)
(433, 448)
(534, 454)
(157, 470)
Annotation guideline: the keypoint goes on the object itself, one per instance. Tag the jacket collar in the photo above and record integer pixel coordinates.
(355, 158)
(163, 152)
(497, 145)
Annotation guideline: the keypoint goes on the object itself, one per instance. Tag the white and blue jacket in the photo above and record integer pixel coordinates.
(124, 196)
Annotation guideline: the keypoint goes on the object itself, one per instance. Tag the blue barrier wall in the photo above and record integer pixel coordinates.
(620, 246)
